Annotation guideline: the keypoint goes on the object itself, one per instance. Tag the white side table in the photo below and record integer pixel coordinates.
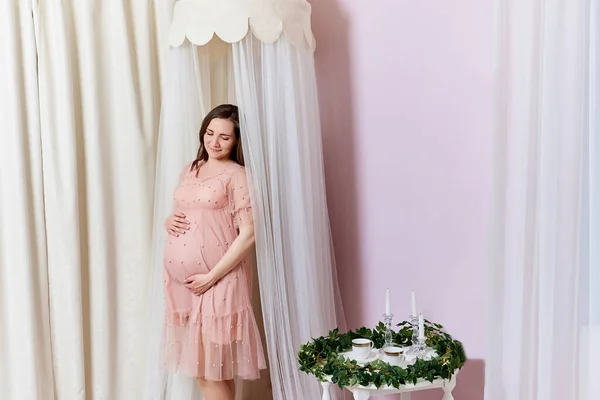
(365, 392)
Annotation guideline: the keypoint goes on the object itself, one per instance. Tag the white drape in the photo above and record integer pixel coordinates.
(276, 90)
(77, 163)
(25, 354)
(544, 308)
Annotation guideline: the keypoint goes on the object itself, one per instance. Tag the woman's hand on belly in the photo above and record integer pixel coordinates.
(177, 224)
(199, 283)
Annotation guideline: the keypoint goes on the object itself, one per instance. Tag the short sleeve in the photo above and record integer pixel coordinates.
(239, 200)
(182, 175)
(185, 173)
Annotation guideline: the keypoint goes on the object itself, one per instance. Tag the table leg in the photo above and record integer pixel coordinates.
(361, 394)
(405, 396)
(326, 394)
(448, 388)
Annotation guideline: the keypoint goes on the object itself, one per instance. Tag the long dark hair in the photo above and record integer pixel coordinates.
(230, 113)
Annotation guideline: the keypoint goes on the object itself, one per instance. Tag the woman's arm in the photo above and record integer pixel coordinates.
(236, 252)
(200, 283)
(241, 210)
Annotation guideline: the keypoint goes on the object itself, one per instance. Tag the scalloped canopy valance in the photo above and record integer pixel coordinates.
(231, 20)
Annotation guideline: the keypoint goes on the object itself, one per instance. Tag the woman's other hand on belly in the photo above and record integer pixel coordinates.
(199, 283)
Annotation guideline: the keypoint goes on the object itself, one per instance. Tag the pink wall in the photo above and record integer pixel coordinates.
(406, 100)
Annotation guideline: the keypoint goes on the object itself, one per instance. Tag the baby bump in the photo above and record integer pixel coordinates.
(184, 256)
(193, 253)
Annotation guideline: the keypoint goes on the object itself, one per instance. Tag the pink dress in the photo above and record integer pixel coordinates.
(212, 336)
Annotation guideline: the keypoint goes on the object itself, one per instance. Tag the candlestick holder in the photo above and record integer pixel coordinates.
(387, 320)
(414, 321)
(418, 348)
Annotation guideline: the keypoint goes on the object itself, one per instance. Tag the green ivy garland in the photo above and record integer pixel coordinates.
(322, 357)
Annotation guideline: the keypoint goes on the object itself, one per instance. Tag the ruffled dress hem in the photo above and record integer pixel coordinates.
(215, 348)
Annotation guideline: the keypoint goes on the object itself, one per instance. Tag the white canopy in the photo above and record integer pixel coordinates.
(199, 20)
(271, 77)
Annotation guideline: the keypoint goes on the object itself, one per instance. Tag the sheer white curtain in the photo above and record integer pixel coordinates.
(276, 91)
(544, 308)
(589, 350)
(79, 114)
(180, 118)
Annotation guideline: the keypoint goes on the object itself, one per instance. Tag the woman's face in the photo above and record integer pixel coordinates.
(219, 139)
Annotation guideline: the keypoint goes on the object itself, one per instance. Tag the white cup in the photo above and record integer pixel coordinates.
(361, 348)
(393, 354)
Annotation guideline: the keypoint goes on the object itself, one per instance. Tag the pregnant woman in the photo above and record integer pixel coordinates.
(210, 330)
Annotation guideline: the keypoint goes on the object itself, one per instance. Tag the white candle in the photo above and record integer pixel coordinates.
(387, 301)
(421, 327)
(413, 298)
